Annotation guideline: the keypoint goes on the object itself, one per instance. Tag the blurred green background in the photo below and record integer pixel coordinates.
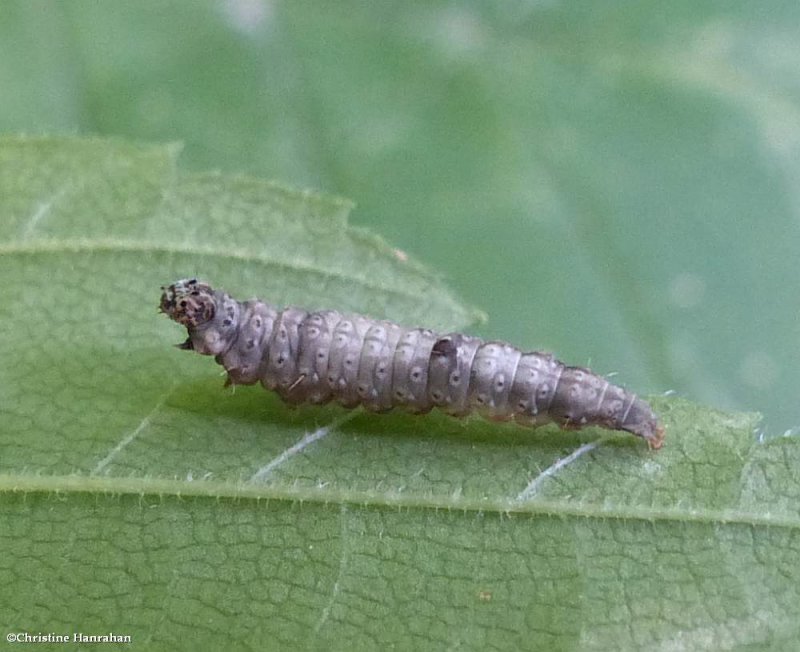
(614, 181)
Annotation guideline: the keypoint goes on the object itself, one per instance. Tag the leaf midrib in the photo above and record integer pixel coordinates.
(77, 484)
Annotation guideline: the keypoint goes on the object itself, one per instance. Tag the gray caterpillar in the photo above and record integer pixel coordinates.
(313, 357)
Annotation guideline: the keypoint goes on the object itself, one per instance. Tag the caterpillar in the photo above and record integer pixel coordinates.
(315, 357)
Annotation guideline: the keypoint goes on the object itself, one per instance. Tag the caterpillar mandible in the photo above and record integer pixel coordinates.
(315, 357)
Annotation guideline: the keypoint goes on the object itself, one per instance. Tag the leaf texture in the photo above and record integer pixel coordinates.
(138, 496)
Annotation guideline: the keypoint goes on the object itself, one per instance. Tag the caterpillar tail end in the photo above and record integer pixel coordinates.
(640, 420)
(657, 441)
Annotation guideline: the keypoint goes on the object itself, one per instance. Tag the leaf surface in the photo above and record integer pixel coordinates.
(152, 502)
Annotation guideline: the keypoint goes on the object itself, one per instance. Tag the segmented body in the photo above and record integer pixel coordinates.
(315, 357)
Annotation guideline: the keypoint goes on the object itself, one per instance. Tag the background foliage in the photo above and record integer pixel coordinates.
(612, 181)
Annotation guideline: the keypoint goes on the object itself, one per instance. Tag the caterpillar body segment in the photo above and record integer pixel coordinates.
(316, 357)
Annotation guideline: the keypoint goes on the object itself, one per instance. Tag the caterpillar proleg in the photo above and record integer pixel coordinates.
(315, 357)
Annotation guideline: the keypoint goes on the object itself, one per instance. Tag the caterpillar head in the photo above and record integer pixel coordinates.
(188, 302)
(211, 318)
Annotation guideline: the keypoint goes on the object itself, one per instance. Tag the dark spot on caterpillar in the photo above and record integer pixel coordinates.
(444, 346)
(360, 360)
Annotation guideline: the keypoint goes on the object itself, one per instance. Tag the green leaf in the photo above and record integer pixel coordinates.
(139, 497)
